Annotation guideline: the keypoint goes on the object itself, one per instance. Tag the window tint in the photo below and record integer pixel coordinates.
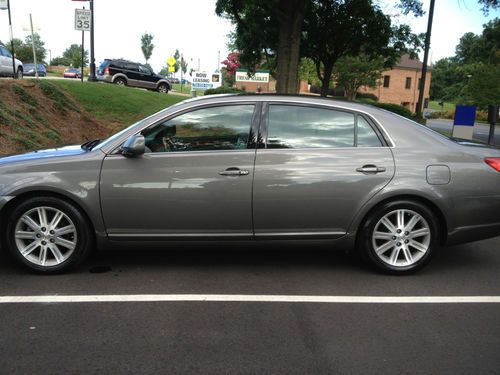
(366, 135)
(130, 66)
(214, 128)
(144, 70)
(5, 52)
(307, 127)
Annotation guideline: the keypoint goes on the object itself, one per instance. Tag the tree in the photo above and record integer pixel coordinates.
(483, 87)
(184, 65)
(177, 57)
(268, 29)
(354, 72)
(231, 63)
(147, 45)
(73, 56)
(24, 50)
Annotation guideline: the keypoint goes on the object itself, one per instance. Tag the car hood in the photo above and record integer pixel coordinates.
(50, 153)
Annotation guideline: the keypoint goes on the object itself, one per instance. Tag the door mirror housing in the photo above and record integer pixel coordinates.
(134, 146)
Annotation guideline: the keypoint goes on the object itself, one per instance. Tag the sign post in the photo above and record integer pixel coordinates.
(83, 20)
(92, 76)
(493, 116)
(5, 4)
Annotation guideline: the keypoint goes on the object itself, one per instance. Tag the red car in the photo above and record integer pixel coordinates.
(72, 73)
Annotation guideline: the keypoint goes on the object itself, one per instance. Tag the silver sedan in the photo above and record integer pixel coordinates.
(254, 168)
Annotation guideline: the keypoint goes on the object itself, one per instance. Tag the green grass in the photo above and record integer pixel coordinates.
(114, 103)
(447, 106)
(186, 89)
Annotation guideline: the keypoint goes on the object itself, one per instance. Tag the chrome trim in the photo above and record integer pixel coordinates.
(293, 234)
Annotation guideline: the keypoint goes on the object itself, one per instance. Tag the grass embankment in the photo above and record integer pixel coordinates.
(36, 114)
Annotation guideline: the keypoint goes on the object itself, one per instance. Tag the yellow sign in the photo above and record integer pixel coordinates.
(171, 68)
(171, 61)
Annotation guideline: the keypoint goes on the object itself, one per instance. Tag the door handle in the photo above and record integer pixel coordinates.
(234, 172)
(370, 169)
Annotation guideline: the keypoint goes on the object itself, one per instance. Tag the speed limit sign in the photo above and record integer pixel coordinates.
(82, 19)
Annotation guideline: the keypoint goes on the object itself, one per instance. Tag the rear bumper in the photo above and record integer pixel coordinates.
(473, 233)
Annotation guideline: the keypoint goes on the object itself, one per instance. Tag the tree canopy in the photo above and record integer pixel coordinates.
(147, 45)
(24, 50)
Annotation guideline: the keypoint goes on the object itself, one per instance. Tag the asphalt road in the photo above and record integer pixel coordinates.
(253, 337)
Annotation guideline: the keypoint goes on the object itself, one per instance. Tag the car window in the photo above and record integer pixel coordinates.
(366, 135)
(214, 128)
(5, 52)
(130, 66)
(309, 127)
(144, 69)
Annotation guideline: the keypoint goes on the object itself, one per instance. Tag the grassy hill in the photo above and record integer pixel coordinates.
(38, 114)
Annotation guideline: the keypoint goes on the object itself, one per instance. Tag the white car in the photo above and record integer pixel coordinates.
(6, 64)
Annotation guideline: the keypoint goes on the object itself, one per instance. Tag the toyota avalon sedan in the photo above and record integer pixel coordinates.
(254, 168)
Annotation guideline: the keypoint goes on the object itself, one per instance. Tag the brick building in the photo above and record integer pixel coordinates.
(401, 84)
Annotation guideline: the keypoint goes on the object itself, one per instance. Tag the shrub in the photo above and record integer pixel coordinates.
(223, 90)
(367, 96)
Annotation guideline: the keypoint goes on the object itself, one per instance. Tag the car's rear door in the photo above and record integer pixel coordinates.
(195, 180)
(320, 165)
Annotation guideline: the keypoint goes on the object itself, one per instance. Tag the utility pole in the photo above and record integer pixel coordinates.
(33, 45)
(426, 56)
(83, 52)
(92, 76)
(14, 73)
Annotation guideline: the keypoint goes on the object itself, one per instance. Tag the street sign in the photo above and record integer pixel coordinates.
(463, 123)
(3, 4)
(171, 61)
(82, 19)
(171, 69)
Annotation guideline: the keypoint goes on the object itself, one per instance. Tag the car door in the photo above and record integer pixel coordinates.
(194, 181)
(146, 78)
(5, 61)
(320, 165)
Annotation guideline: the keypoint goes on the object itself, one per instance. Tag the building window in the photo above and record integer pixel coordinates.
(387, 79)
(408, 83)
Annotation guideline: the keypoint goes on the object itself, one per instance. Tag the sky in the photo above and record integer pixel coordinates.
(193, 28)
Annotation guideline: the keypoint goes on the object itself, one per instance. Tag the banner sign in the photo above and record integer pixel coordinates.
(258, 77)
(465, 115)
(202, 80)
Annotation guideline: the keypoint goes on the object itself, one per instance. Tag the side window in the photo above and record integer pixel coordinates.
(5, 52)
(366, 135)
(207, 129)
(144, 70)
(308, 127)
(130, 66)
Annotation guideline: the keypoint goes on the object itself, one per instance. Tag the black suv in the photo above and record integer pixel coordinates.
(123, 72)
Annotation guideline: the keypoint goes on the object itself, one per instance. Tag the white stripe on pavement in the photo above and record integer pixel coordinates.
(246, 298)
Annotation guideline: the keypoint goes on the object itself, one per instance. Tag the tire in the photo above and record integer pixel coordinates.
(120, 81)
(399, 237)
(33, 227)
(163, 88)
(19, 73)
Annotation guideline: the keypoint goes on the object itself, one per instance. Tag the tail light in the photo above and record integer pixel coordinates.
(106, 70)
(493, 163)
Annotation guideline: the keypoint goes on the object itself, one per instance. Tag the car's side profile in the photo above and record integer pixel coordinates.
(128, 73)
(6, 68)
(254, 168)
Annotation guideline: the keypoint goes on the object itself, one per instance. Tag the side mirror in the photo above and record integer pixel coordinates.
(134, 146)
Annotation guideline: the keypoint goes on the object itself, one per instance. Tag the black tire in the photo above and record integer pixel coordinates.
(163, 88)
(120, 81)
(82, 235)
(367, 241)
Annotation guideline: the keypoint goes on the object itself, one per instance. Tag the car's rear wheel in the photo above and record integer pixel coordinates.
(19, 73)
(48, 235)
(120, 81)
(163, 88)
(400, 237)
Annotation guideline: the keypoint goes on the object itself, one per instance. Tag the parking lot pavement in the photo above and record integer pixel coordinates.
(254, 337)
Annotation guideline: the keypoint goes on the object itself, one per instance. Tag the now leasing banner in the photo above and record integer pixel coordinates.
(463, 123)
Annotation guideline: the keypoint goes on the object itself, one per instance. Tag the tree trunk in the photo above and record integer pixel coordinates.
(325, 80)
(291, 16)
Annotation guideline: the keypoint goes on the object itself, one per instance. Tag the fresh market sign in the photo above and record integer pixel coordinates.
(258, 77)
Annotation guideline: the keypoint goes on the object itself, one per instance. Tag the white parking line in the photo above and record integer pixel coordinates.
(247, 298)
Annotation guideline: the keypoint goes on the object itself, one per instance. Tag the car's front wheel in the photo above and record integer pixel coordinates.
(400, 237)
(48, 235)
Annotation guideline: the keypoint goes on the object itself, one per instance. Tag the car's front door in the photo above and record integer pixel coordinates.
(194, 181)
(318, 168)
(5, 61)
(146, 78)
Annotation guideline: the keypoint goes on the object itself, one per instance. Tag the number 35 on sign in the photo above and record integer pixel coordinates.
(82, 19)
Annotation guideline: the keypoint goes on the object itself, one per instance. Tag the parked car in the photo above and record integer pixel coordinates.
(174, 80)
(255, 168)
(6, 64)
(128, 73)
(72, 73)
(29, 70)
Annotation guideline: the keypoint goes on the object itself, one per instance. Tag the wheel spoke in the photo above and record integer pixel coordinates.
(413, 221)
(42, 257)
(383, 248)
(407, 254)
(401, 219)
(394, 256)
(42, 216)
(388, 224)
(24, 235)
(67, 244)
(57, 253)
(65, 230)
(418, 246)
(383, 236)
(419, 233)
(56, 219)
(30, 248)
(30, 223)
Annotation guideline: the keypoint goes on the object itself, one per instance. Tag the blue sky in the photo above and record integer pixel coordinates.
(193, 27)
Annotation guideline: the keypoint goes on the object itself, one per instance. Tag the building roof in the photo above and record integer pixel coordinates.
(406, 62)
